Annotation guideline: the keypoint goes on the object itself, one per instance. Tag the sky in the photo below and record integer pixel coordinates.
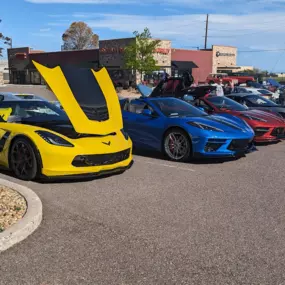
(255, 27)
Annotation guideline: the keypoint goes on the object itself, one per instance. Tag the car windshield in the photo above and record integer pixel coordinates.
(34, 111)
(264, 92)
(222, 102)
(259, 100)
(172, 107)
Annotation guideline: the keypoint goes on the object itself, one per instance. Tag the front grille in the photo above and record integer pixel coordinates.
(260, 131)
(96, 113)
(239, 144)
(101, 159)
(277, 132)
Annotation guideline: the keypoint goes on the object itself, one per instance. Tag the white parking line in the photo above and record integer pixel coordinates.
(164, 164)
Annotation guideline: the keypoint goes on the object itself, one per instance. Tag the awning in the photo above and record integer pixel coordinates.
(228, 67)
(183, 65)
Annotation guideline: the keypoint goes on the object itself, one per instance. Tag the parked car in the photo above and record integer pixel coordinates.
(40, 140)
(253, 101)
(181, 131)
(267, 127)
(4, 96)
(30, 96)
(236, 79)
(262, 92)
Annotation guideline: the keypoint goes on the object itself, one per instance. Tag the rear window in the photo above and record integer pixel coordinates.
(26, 96)
(87, 92)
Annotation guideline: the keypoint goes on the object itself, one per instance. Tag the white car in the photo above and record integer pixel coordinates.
(257, 91)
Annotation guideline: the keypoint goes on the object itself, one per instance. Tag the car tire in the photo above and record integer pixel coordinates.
(174, 149)
(22, 159)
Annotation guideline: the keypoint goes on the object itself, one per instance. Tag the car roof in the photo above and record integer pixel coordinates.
(22, 100)
(241, 94)
(15, 93)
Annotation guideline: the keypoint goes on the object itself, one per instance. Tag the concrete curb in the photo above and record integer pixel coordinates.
(28, 224)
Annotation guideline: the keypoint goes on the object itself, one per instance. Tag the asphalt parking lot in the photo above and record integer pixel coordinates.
(160, 223)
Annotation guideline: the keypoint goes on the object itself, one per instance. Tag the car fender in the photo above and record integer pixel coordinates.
(232, 117)
(33, 144)
(175, 126)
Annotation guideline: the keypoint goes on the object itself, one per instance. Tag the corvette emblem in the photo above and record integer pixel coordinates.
(107, 143)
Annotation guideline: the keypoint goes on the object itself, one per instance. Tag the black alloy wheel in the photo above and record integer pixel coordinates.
(177, 145)
(22, 160)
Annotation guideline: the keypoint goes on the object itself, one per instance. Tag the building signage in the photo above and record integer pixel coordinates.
(121, 50)
(111, 50)
(224, 54)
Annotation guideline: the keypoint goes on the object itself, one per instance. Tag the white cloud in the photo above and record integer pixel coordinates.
(81, 1)
(46, 35)
(260, 29)
(44, 30)
(240, 6)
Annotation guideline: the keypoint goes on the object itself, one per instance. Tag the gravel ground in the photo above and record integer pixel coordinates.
(12, 207)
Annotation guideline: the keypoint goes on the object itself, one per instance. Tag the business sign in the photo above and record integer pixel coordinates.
(224, 54)
(121, 50)
(111, 50)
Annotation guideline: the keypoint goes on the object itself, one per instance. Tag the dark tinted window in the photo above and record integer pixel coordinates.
(87, 92)
(33, 111)
(256, 100)
(26, 96)
(223, 102)
(172, 107)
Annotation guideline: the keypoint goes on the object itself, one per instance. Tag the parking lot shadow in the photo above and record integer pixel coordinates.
(160, 156)
(60, 180)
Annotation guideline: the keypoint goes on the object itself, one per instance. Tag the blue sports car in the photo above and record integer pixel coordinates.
(182, 131)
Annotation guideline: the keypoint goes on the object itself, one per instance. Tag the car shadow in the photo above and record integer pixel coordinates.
(202, 160)
(60, 180)
(267, 143)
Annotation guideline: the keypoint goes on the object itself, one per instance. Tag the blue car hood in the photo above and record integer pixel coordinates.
(225, 124)
(144, 90)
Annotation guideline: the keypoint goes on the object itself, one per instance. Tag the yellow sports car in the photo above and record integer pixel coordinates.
(38, 139)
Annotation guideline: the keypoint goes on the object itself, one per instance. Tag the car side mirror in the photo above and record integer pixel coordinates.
(202, 109)
(147, 112)
(188, 98)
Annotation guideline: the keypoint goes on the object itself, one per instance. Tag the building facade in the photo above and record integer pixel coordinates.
(4, 71)
(111, 55)
(224, 58)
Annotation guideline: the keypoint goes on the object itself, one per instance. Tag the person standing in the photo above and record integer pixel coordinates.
(282, 98)
(219, 88)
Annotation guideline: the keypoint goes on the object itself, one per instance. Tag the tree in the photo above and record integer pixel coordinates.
(6, 41)
(139, 55)
(79, 36)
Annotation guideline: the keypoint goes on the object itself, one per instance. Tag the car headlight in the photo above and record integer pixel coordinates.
(253, 118)
(125, 134)
(204, 127)
(54, 139)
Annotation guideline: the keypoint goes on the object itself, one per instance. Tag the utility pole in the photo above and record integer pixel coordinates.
(206, 32)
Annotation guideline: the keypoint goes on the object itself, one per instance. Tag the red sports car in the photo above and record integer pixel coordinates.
(267, 126)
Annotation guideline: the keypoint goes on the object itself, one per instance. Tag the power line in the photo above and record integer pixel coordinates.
(264, 50)
(229, 30)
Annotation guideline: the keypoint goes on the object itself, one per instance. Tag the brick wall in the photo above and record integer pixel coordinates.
(203, 59)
